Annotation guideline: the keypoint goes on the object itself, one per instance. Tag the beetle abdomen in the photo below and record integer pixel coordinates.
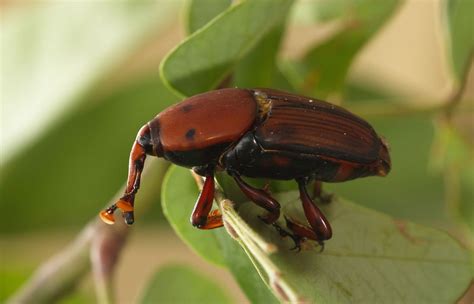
(302, 125)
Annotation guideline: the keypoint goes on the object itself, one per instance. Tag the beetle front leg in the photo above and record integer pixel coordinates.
(202, 217)
(135, 168)
(320, 228)
(261, 198)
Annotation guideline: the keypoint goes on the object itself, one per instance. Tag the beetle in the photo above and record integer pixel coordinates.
(261, 133)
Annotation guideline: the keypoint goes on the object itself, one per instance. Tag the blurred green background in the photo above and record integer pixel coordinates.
(78, 79)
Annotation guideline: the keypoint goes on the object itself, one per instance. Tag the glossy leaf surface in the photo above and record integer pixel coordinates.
(371, 257)
(200, 62)
(258, 69)
(200, 12)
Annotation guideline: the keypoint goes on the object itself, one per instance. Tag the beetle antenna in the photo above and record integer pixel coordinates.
(135, 168)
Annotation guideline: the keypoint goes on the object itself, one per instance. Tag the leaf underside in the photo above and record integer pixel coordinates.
(371, 257)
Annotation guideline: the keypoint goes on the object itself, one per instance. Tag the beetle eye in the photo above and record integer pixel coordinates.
(144, 140)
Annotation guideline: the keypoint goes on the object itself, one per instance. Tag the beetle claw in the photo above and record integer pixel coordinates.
(129, 217)
(266, 188)
(321, 243)
(262, 218)
(107, 215)
(296, 248)
(326, 198)
(296, 239)
(265, 219)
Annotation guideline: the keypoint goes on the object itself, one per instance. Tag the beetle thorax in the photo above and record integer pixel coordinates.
(198, 130)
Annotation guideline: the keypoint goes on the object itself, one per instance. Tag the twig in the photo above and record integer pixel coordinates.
(439, 149)
(257, 249)
(104, 252)
(396, 108)
(455, 100)
(60, 274)
(257, 252)
(96, 248)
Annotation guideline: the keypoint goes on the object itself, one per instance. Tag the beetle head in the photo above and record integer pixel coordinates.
(150, 141)
(385, 164)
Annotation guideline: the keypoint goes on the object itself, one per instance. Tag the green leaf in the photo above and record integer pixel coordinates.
(181, 284)
(371, 258)
(258, 68)
(200, 12)
(466, 196)
(75, 168)
(244, 272)
(56, 51)
(200, 62)
(323, 69)
(452, 159)
(449, 146)
(179, 195)
(460, 34)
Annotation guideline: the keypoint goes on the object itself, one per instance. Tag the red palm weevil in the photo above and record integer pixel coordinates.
(262, 133)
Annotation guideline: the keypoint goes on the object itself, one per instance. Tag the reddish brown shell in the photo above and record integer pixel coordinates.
(207, 119)
(305, 125)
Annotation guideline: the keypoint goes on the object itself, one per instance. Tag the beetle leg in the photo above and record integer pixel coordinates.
(266, 187)
(261, 198)
(319, 194)
(135, 168)
(320, 228)
(296, 238)
(202, 217)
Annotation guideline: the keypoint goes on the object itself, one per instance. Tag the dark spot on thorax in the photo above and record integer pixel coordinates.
(190, 134)
(187, 108)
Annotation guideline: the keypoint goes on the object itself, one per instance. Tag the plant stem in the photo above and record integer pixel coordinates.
(257, 249)
(61, 273)
(455, 100)
(96, 248)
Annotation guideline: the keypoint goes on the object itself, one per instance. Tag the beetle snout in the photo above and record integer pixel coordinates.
(385, 164)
